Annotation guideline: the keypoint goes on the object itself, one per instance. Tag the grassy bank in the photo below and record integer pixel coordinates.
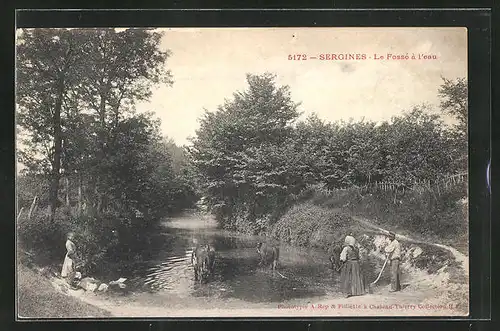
(37, 298)
(424, 215)
(310, 225)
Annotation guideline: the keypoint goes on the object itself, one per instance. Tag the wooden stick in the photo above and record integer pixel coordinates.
(19, 214)
(380, 274)
(279, 273)
(32, 207)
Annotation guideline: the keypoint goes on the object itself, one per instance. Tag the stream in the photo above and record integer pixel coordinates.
(303, 274)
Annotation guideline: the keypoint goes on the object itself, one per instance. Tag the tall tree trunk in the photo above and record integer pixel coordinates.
(66, 179)
(79, 194)
(102, 138)
(56, 162)
(102, 119)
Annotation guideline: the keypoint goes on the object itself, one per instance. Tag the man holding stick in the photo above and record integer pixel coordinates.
(393, 250)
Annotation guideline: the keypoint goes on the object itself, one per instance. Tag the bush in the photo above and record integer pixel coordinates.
(43, 237)
(442, 216)
(310, 225)
(47, 239)
(433, 259)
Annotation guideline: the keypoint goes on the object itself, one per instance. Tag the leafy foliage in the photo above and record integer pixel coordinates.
(77, 90)
(435, 217)
(254, 159)
(454, 101)
(244, 152)
(312, 225)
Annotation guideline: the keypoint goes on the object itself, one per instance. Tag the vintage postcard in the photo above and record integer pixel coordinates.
(242, 172)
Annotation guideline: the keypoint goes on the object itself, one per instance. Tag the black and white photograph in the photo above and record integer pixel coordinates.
(241, 172)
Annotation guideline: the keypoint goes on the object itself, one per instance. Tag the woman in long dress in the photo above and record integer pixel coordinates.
(68, 268)
(351, 277)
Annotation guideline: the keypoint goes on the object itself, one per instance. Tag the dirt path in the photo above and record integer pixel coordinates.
(460, 257)
(412, 301)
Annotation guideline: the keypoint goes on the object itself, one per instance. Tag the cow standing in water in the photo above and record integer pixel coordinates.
(203, 261)
(334, 252)
(269, 255)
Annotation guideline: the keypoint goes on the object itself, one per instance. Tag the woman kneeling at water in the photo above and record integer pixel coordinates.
(351, 279)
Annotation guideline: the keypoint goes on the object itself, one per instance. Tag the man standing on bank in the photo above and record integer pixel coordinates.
(393, 250)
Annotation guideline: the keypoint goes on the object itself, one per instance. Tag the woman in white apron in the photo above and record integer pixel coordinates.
(68, 268)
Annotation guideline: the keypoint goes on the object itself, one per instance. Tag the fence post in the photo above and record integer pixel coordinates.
(33, 204)
(19, 214)
(80, 205)
(66, 182)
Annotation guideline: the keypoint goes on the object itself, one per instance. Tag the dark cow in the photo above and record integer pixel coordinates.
(334, 258)
(269, 255)
(203, 261)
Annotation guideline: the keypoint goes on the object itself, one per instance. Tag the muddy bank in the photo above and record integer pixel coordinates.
(415, 300)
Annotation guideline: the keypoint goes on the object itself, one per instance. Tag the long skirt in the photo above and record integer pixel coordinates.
(351, 279)
(68, 268)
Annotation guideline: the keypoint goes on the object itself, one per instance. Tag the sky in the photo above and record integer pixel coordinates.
(210, 64)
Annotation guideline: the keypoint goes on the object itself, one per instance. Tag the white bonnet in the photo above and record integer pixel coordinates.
(349, 240)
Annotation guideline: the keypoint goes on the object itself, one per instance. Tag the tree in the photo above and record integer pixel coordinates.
(47, 70)
(179, 157)
(121, 69)
(413, 147)
(363, 153)
(185, 191)
(454, 101)
(127, 173)
(75, 88)
(323, 153)
(238, 150)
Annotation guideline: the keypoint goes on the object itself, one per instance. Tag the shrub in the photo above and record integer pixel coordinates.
(42, 236)
(433, 259)
(47, 239)
(310, 225)
(440, 216)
